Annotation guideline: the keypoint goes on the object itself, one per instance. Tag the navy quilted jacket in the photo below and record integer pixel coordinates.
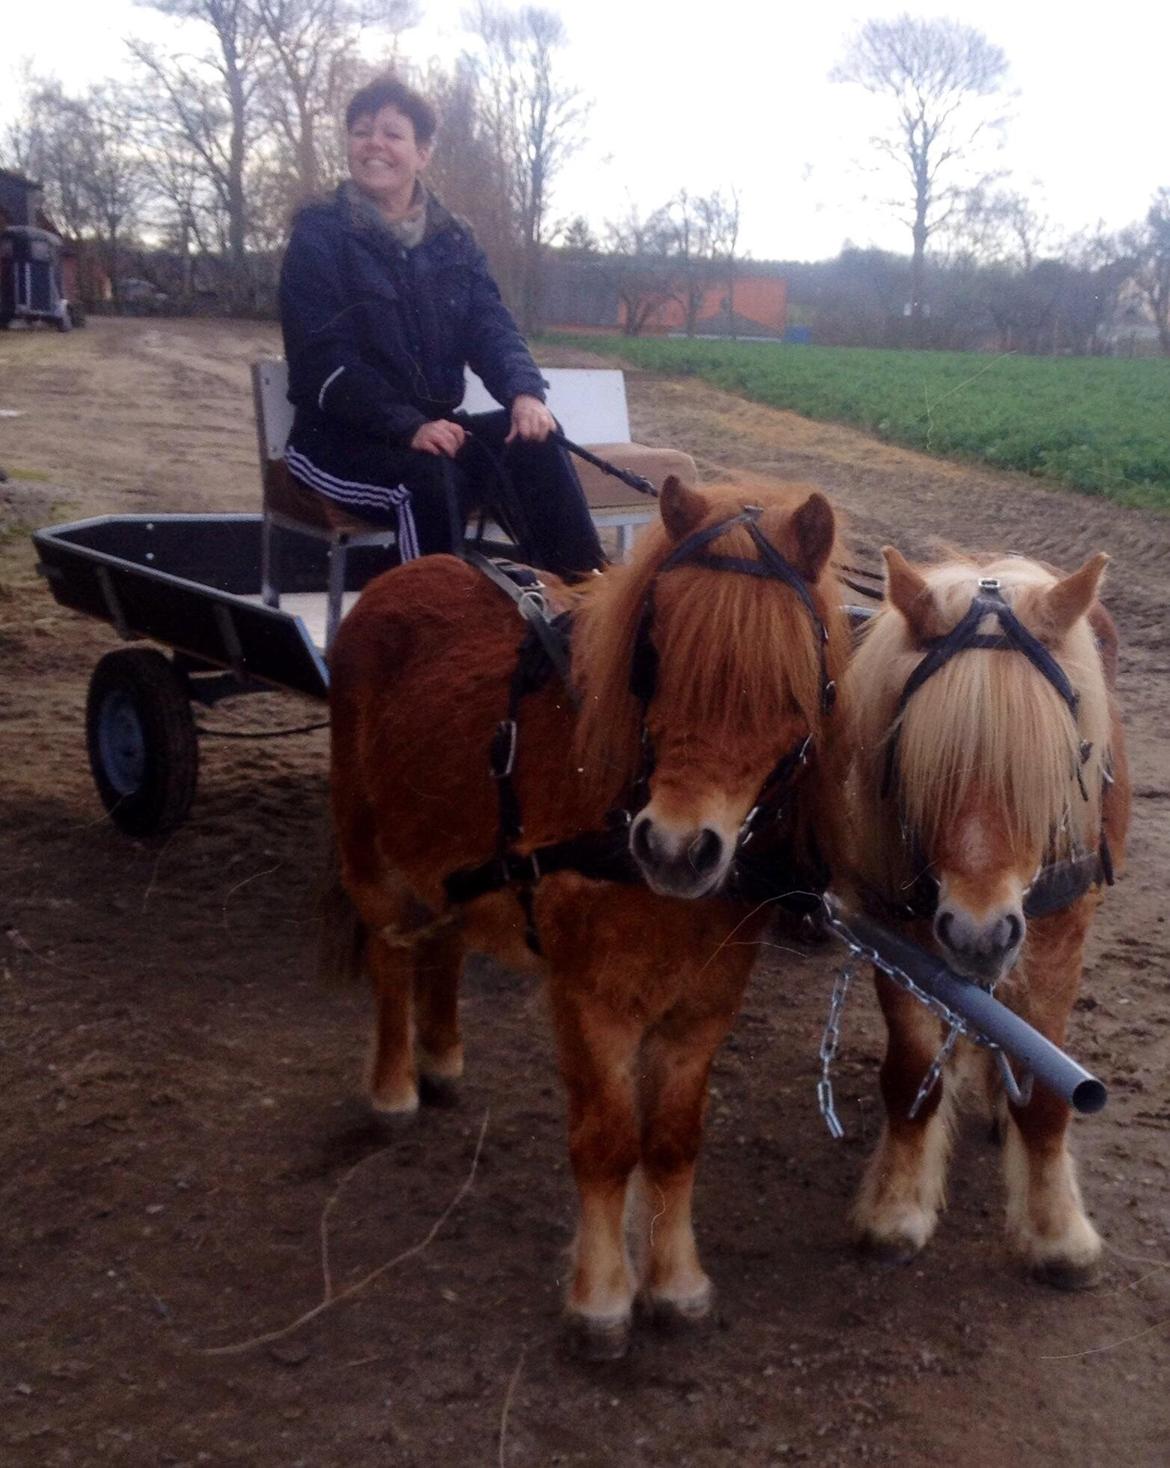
(377, 336)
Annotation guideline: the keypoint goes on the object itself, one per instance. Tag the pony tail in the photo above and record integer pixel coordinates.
(341, 936)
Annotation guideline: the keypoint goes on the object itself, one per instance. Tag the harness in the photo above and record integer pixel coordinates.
(604, 855)
(1056, 885)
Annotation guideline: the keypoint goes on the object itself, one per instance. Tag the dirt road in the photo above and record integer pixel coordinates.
(180, 1114)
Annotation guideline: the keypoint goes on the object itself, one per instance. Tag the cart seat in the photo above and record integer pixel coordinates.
(285, 494)
(590, 403)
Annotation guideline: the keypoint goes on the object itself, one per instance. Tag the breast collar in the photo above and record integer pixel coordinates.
(1058, 884)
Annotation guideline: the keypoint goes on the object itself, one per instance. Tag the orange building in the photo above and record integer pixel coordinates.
(757, 305)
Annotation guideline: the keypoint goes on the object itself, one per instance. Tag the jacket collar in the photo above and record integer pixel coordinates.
(363, 218)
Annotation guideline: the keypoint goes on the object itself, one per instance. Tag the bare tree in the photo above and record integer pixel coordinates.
(115, 180)
(938, 75)
(535, 120)
(1150, 244)
(78, 148)
(208, 103)
(999, 227)
(578, 239)
(315, 65)
(50, 146)
(469, 174)
(643, 265)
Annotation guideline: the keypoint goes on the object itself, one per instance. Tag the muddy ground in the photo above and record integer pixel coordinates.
(180, 1100)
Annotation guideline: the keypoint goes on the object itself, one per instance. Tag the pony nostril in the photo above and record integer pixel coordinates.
(640, 842)
(705, 851)
(1015, 930)
(943, 924)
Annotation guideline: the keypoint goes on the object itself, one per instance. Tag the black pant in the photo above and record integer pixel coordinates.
(532, 489)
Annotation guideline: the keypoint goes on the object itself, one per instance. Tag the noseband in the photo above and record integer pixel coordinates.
(1058, 884)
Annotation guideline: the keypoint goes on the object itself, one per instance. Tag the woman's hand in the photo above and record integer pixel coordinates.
(531, 420)
(440, 436)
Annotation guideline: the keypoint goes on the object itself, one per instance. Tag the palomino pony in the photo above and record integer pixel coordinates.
(992, 800)
(704, 673)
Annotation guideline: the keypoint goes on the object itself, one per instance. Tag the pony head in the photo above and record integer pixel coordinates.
(993, 764)
(705, 675)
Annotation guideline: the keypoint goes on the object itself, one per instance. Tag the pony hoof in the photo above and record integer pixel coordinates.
(597, 1340)
(890, 1252)
(678, 1317)
(1061, 1274)
(392, 1115)
(439, 1091)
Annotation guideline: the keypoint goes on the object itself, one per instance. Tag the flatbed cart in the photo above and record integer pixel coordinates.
(191, 583)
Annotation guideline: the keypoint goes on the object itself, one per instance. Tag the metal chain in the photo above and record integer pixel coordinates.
(955, 1024)
(829, 1042)
(933, 1075)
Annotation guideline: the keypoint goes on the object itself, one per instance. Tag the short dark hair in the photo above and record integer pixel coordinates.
(388, 91)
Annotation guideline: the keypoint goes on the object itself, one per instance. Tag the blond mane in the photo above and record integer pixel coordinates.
(735, 652)
(987, 720)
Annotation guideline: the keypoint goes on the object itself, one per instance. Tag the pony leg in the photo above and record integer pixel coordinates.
(674, 1069)
(438, 965)
(392, 1084)
(1046, 1221)
(904, 1186)
(598, 1055)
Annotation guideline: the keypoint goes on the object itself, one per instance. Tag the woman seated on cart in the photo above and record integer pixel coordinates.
(385, 297)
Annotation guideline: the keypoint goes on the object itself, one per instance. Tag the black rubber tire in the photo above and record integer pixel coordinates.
(143, 747)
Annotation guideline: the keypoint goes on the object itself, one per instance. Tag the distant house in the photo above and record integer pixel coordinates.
(585, 293)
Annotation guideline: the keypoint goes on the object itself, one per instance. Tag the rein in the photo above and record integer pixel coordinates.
(1056, 885)
(604, 855)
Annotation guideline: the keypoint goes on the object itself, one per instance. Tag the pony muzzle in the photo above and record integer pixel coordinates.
(981, 947)
(686, 861)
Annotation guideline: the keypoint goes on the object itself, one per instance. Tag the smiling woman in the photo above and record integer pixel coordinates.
(385, 299)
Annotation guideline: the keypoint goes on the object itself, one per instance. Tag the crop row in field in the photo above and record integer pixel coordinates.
(1098, 424)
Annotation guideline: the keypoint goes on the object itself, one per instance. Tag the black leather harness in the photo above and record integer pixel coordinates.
(1058, 884)
(604, 855)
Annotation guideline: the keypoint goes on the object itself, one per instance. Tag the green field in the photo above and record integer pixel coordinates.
(1098, 424)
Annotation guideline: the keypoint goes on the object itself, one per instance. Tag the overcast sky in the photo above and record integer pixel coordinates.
(736, 92)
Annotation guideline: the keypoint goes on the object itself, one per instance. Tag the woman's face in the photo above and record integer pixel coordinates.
(385, 160)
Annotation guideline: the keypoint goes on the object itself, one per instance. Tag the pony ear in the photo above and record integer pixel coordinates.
(908, 592)
(682, 509)
(811, 532)
(1069, 600)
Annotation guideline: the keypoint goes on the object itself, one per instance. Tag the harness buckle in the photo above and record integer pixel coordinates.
(524, 869)
(989, 583)
(503, 750)
(531, 603)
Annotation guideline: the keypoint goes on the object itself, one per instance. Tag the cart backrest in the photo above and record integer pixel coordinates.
(590, 404)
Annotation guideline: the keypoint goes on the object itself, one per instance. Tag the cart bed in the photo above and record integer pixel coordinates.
(192, 583)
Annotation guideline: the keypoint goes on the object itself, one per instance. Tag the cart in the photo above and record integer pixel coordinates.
(193, 584)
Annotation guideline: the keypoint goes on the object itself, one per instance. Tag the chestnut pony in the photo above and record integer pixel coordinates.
(644, 977)
(992, 795)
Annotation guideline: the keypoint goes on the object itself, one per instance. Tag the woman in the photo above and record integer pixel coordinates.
(384, 298)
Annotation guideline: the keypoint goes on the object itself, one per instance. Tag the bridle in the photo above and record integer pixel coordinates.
(1058, 884)
(773, 566)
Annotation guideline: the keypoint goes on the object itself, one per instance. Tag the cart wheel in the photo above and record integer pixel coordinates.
(143, 749)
